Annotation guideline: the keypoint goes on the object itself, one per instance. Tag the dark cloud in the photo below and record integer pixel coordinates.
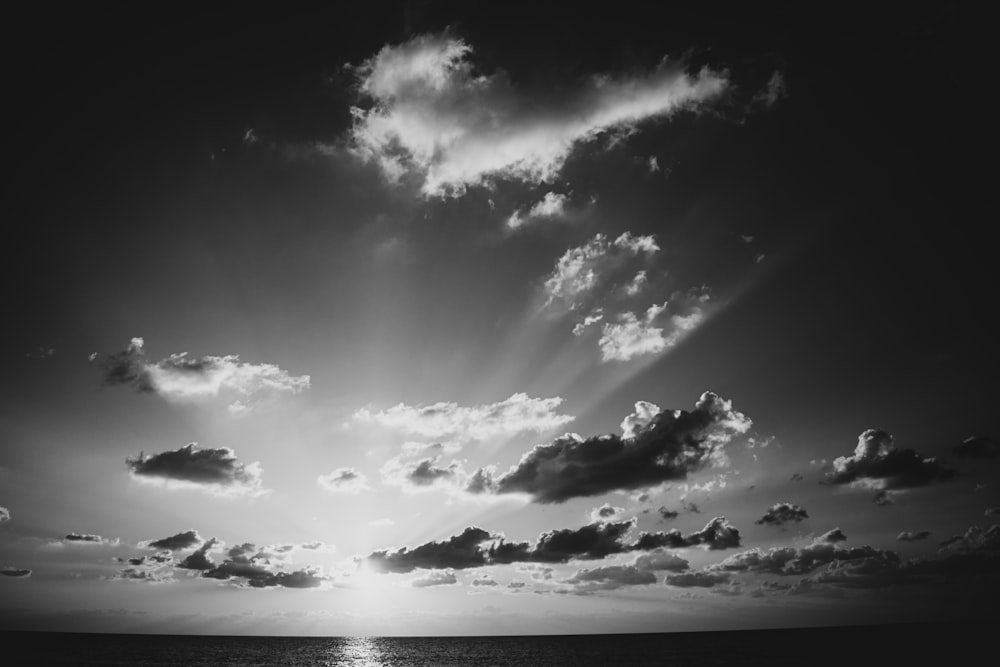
(790, 560)
(797, 477)
(690, 507)
(160, 558)
(591, 542)
(660, 560)
(128, 368)
(425, 473)
(252, 565)
(907, 536)
(697, 579)
(877, 462)
(14, 572)
(90, 539)
(832, 536)
(666, 446)
(458, 552)
(991, 511)
(185, 540)
(199, 560)
(717, 534)
(976, 539)
(782, 513)
(666, 514)
(148, 575)
(611, 577)
(516, 585)
(217, 468)
(435, 579)
(484, 581)
(977, 447)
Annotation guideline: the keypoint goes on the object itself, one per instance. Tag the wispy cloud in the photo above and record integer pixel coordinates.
(344, 480)
(661, 327)
(582, 269)
(447, 420)
(552, 205)
(434, 118)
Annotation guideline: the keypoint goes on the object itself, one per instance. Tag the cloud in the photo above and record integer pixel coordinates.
(185, 540)
(199, 559)
(151, 576)
(580, 327)
(877, 464)
(782, 513)
(907, 536)
(883, 498)
(580, 270)
(637, 283)
(717, 534)
(605, 512)
(517, 414)
(773, 92)
(150, 560)
(991, 511)
(787, 561)
(434, 118)
(611, 577)
(977, 447)
(832, 536)
(344, 480)
(435, 579)
(85, 538)
(667, 514)
(697, 579)
(15, 572)
(257, 569)
(797, 477)
(484, 581)
(552, 205)
(185, 379)
(671, 444)
(661, 560)
(660, 328)
(590, 542)
(422, 474)
(4, 514)
(975, 539)
(459, 552)
(215, 470)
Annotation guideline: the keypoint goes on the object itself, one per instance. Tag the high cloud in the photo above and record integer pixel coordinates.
(661, 327)
(432, 116)
(215, 470)
(185, 379)
(517, 414)
(343, 480)
(877, 464)
(657, 448)
(782, 513)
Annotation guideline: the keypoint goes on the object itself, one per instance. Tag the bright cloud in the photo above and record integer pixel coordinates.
(434, 117)
(579, 270)
(661, 327)
(553, 205)
(448, 420)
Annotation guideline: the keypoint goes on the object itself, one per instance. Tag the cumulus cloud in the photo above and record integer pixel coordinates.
(667, 514)
(256, 568)
(977, 447)
(185, 540)
(660, 560)
(475, 547)
(435, 579)
(484, 581)
(610, 577)
(344, 480)
(434, 118)
(782, 513)
(832, 536)
(788, 561)
(878, 464)
(4, 514)
(662, 447)
(149, 560)
(215, 470)
(580, 270)
(14, 572)
(697, 579)
(716, 535)
(552, 205)
(907, 536)
(421, 474)
(660, 328)
(637, 283)
(446, 420)
(605, 512)
(147, 575)
(199, 559)
(182, 378)
(86, 538)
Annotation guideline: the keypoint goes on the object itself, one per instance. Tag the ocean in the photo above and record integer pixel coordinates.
(886, 645)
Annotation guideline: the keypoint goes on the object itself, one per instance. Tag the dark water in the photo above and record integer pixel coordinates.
(885, 645)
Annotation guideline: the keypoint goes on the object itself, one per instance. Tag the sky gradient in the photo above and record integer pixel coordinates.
(426, 320)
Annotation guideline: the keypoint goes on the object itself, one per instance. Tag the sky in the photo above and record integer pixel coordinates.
(427, 319)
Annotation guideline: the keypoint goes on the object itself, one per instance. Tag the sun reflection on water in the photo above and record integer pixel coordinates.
(359, 652)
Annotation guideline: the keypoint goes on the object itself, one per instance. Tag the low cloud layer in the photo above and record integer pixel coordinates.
(433, 118)
(182, 378)
(656, 446)
(782, 513)
(215, 470)
(443, 421)
(878, 464)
